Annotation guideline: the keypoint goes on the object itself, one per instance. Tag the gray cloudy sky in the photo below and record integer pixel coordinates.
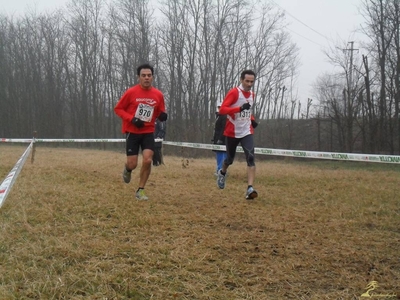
(314, 25)
(318, 25)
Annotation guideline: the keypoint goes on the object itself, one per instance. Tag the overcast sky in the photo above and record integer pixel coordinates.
(314, 25)
(317, 25)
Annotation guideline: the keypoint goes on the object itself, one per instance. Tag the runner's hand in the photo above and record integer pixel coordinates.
(245, 106)
(137, 122)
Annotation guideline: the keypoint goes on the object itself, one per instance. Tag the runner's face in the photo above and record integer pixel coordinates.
(145, 78)
(247, 82)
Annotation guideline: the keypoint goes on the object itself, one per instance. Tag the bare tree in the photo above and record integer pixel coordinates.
(80, 64)
(5, 72)
(369, 124)
(345, 106)
(382, 27)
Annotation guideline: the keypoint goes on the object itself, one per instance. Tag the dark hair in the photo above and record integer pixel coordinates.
(247, 72)
(145, 66)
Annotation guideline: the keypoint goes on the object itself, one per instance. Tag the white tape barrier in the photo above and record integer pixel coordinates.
(3, 140)
(66, 140)
(8, 182)
(300, 153)
(266, 151)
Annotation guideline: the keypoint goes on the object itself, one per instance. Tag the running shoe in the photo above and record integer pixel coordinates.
(251, 193)
(221, 180)
(126, 175)
(140, 195)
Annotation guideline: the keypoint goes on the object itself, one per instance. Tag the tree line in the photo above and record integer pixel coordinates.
(361, 101)
(62, 72)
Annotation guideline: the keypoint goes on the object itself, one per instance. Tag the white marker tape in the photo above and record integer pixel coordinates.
(8, 182)
(265, 151)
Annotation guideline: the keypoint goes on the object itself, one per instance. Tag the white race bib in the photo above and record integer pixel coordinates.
(244, 115)
(144, 112)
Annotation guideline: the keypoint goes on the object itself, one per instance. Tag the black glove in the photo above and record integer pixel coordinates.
(254, 123)
(245, 106)
(220, 142)
(137, 122)
(163, 117)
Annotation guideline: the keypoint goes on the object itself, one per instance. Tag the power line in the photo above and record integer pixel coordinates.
(309, 27)
(305, 37)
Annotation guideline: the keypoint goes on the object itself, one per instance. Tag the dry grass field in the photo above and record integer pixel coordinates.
(71, 229)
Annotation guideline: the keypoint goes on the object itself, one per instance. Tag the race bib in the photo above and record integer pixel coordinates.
(144, 112)
(244, 115)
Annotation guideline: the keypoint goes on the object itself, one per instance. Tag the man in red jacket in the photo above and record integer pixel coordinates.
(138, 108)
(239, 129)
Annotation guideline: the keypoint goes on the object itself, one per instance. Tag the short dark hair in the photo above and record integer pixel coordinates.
(247, 72)
(145, 66)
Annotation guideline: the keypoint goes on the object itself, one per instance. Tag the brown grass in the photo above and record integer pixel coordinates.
(71, 229)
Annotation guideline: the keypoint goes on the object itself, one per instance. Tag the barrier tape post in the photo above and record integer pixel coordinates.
(33, 147)
(8, 182)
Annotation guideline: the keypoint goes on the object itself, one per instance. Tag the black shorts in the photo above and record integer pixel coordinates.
(247, 144)
(134, 141)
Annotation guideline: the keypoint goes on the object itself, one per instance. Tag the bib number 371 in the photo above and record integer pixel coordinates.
(244, 115)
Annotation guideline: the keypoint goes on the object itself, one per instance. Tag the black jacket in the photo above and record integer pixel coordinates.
(219, 138)
(160, 129)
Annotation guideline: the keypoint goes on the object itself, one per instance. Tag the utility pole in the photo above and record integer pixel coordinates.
(351, 68)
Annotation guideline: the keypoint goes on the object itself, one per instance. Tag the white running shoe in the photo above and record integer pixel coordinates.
(251, 193)
(221, 180)
(140, 195)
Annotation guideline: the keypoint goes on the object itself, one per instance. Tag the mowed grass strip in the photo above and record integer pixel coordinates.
(72, 229)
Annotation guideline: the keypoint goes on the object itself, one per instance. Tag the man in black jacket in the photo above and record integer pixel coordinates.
(159, 133)
(219, 138)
